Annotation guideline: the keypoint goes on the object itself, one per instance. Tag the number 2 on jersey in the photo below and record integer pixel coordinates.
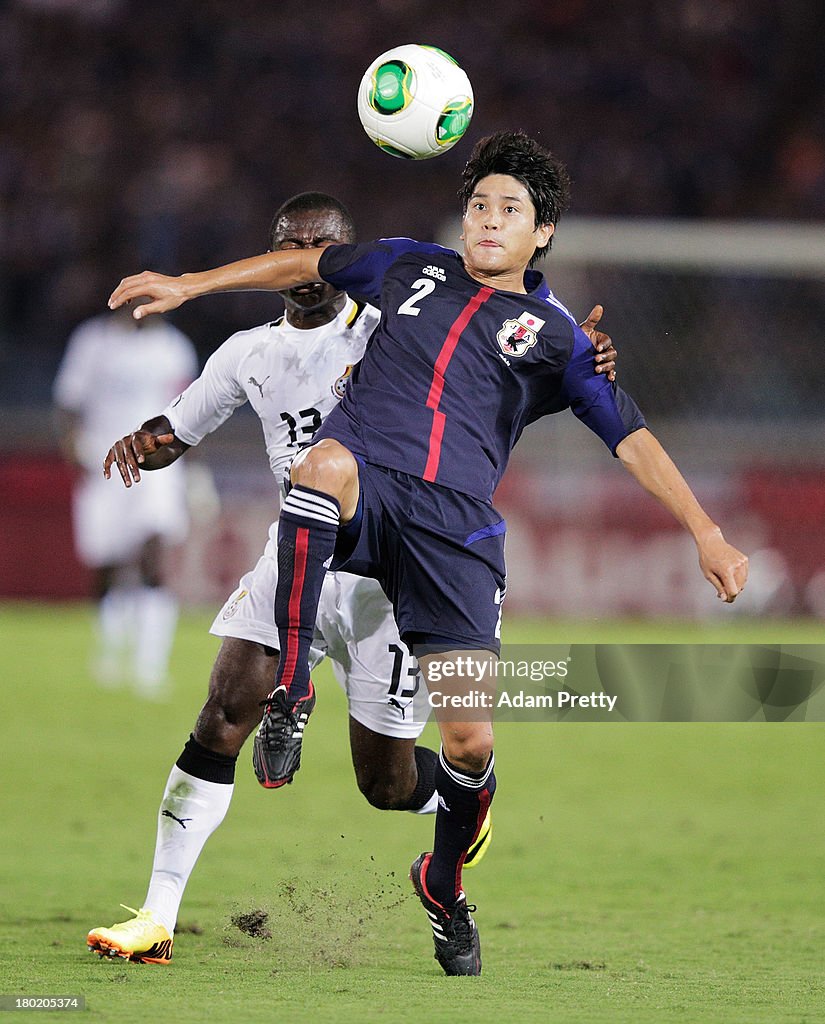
(421, 289)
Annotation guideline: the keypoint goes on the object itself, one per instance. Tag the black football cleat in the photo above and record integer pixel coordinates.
(276, 752)
(457, 945)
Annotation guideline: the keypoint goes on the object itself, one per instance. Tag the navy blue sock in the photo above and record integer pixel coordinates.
(463, 801)
(426, 761)
(307, 531)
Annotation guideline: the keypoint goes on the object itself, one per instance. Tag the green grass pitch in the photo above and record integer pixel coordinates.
(639, 872)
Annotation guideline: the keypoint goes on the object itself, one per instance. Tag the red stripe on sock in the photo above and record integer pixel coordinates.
(423, 879)
(299, 566)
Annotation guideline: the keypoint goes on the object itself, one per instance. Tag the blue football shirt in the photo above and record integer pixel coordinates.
(455, 370)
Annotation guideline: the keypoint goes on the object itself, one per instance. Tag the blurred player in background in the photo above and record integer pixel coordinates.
(113, 372)
(293, 373)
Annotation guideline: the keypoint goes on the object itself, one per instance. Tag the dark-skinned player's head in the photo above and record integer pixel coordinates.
(311, 203)
(308, 221)
(516, 154)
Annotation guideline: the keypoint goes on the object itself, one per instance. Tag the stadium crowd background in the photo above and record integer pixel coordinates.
(138, 133)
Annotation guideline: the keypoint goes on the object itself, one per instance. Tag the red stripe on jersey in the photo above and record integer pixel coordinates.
(437, 385)
(436, 435)
(299, 566)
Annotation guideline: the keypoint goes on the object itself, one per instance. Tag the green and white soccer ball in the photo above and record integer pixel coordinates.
(415, 102)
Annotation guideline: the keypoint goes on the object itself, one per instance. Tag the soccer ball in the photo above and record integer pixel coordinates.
(415, 101)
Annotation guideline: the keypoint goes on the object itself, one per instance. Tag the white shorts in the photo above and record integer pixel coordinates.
(355, 629)
(112, 522)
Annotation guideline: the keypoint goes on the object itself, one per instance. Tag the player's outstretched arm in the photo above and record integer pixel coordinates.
(272, 271)
(722, 565)
(153, 446)
(606, 353)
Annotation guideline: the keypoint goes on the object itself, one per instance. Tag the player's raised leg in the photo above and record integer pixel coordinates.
(324, 493)
(197, 796)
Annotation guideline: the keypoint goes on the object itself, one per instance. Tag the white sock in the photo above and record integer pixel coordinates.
(195, 809)
(430, 807)
(113, 628)
(156, 618)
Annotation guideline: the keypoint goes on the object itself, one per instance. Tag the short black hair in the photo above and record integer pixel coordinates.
(516, 154)
(311, 202)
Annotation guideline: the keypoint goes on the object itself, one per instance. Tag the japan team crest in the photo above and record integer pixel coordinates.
(517, 336)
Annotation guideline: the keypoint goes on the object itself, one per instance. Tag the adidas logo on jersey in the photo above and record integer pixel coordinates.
(435, 272)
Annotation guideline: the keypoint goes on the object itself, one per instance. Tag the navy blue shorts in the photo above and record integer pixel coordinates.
(437, 553)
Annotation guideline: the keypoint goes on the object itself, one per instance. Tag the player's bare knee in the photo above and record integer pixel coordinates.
(385, 792)
(232, 705)
(222, 727)
(331, 468)
(227, 719)
(468, 746)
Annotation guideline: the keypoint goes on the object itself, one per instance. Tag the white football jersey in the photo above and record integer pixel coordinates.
(116, 373)
(292, 378)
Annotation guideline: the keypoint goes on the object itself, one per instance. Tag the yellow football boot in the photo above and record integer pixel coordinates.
(143, 940)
